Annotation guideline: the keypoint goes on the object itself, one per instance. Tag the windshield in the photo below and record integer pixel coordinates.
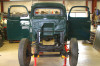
(47, 11)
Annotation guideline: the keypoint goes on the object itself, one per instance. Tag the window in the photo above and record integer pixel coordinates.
(18, 12)
(79, 12)
(47, 11)
(72, 15)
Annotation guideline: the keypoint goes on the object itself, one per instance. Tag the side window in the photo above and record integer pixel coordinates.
(79, 12)
(18, 12)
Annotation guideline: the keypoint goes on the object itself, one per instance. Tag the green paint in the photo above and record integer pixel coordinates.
(79, 27)
(74, 27)
(15, 29)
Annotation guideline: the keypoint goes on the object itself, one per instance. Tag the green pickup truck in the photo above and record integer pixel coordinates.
(48, 21)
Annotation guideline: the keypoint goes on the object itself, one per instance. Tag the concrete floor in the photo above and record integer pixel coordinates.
(88, 56)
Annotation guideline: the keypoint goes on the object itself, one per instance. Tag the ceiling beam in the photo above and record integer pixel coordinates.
(2, 7)
(86, 4)
(63, 2)
(4, 0)
(94, 5)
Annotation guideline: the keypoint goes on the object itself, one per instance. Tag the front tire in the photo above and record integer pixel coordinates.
(73, 57)
(24, 52)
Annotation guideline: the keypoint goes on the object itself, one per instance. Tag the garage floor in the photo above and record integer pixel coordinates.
(88, 56)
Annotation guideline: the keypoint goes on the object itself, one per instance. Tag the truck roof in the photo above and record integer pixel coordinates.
(52, 5)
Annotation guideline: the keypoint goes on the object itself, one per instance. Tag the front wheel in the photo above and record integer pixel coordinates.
(24, 52)
(73, 57)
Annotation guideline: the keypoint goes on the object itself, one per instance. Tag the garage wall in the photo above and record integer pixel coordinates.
(98, 5)
(90, 6)
(68, 4)
(28, 4)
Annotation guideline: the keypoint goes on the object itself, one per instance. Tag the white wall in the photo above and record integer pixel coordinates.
(98, 5)
(68, 4)
(90, 6)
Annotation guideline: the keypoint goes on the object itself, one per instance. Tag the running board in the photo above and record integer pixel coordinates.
(50, 55)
